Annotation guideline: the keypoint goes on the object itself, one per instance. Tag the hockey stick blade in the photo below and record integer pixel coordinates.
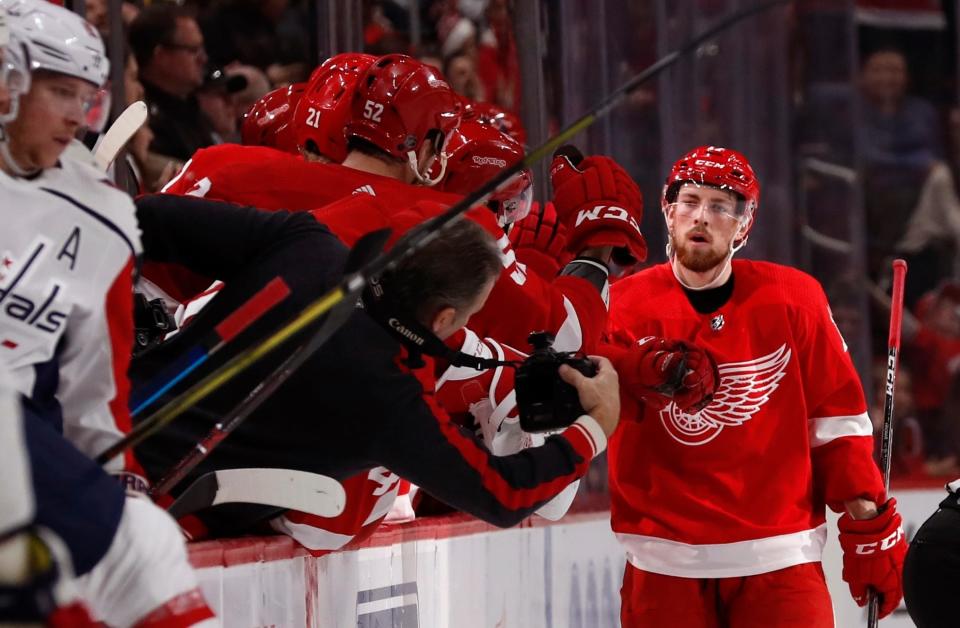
(311, 493)
(352, 285)
(119, 133)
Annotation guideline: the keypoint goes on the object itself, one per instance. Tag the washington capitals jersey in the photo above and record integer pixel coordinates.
(739, 488)
(67, 253)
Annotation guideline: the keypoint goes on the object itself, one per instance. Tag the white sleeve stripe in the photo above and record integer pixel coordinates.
(593, 432)
(173, 181)
(826, 429)
(570, 335)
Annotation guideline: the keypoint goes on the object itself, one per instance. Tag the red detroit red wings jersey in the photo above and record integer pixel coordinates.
(739, 488)
(521, 302)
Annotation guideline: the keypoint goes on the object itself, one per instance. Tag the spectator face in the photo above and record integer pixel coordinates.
(700, 233)
(218, 107)
(49, 117)
(462, 76)
(884, 77)
(181, 61)
(96, 14)
(944, 317)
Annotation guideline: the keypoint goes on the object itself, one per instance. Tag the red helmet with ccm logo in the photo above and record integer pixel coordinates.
(269, 121)
(399, 103)
(723, 168)
(477, 152)
(324, 110)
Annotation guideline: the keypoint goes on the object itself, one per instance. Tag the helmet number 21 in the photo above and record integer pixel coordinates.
(372, 111)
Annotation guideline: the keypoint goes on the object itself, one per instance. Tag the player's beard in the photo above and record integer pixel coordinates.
(699, 261)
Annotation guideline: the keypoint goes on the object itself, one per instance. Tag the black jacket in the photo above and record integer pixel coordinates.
(354, 405)
(180, 128)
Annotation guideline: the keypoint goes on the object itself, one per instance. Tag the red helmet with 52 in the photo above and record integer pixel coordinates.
(398, 104)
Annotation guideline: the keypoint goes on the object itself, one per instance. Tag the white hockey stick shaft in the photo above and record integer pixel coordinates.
(119, 133)
(281, 488)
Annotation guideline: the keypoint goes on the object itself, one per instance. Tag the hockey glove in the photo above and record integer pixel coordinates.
(873, 553)
(658, 371)
(599, 204)
(539, 241)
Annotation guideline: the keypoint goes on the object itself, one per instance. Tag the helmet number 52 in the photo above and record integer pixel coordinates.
(372, 111)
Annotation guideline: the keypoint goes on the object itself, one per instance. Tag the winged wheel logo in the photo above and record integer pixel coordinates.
(744, 388)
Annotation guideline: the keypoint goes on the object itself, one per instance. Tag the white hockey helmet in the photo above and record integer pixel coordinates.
(14, 75)
(57, 40)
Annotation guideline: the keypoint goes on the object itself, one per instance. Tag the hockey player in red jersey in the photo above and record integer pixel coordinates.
(69, 242)
(721, 511)
(401, 115)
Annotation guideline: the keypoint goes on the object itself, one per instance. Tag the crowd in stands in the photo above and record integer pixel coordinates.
(202, 64)
(912, 208)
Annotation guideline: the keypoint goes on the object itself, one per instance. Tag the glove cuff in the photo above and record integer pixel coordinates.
(886, 518)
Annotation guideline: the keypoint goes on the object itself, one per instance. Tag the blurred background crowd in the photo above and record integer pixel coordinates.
(847, 108)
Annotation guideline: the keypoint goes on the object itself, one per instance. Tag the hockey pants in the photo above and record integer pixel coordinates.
(128, 553)
(795, 597)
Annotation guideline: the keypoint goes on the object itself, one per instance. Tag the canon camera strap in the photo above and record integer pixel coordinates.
(415, 336)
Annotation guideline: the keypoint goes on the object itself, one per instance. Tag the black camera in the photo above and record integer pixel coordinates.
(151, 323)
(545, 401)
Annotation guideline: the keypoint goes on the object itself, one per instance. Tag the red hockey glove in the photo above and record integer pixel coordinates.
(539, 241)
(599, 204)
(659, 371)
(873, 552)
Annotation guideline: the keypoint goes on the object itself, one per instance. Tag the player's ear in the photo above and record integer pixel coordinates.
(443, 320)
(427, 154)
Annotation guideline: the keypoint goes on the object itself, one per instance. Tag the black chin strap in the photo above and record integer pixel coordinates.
(416, 337)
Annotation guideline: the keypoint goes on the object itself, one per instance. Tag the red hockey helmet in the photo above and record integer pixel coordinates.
(398, 104)
(476, 152)
(722, 168)
(503, 120)
(269, 120)
(324, 110)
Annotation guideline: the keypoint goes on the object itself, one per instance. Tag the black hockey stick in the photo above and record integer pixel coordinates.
(349, 289)
(886, 436)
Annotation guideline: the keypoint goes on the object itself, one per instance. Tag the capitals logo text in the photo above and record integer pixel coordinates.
(33, 301)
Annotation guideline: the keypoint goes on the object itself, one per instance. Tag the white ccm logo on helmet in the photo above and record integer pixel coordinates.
(885, 544)
(607, 212)
(708, 163)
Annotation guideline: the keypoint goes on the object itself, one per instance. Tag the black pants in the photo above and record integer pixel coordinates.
(931, 571)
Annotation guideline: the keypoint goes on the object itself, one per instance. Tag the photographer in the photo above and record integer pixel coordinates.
(362, 400)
